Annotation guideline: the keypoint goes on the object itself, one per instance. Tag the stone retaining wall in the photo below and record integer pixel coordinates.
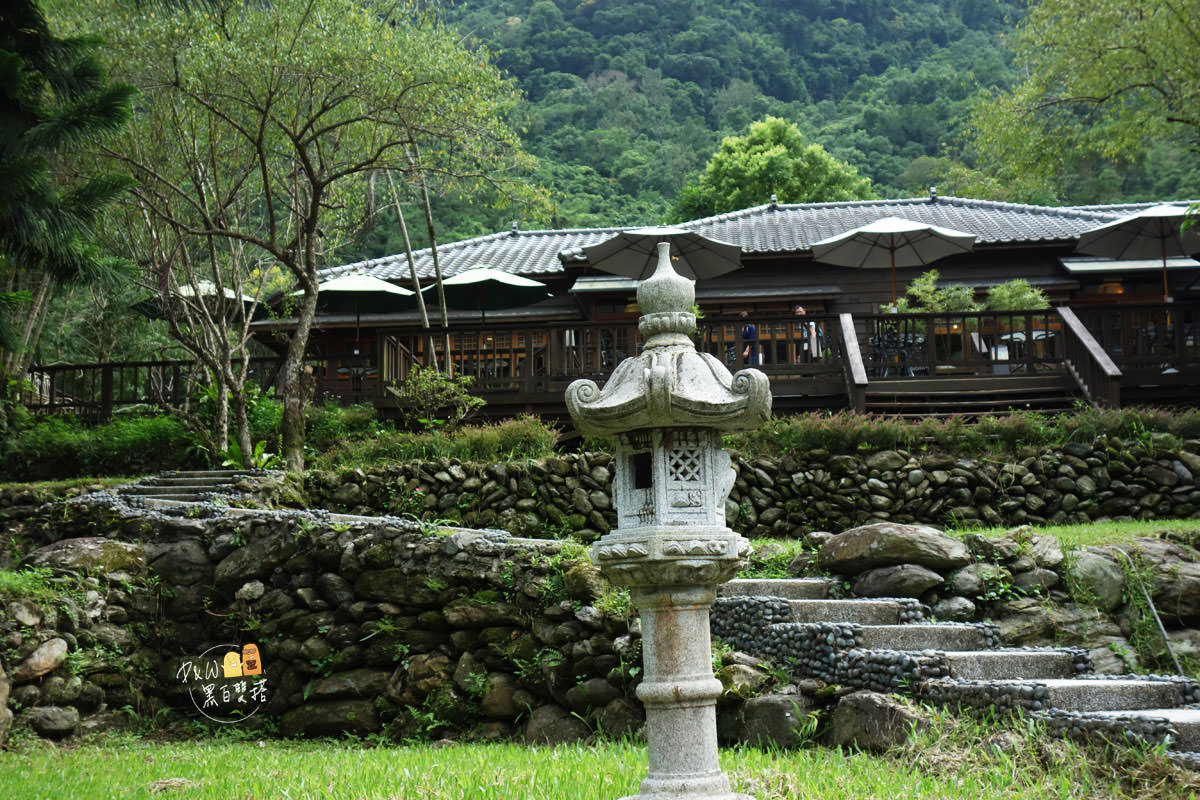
(787, 496)
(383, 626)
(363, 626)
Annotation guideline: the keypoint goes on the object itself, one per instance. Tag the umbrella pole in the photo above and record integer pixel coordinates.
(892, 250)
(1166, 286)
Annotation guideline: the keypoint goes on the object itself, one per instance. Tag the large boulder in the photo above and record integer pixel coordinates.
(6, 714)
(46, 658)
(359, 683)
(873, 722)
(335, 718)
(468, 613)
(883, 544)
(255, 560)
(90, 554)
(54, 722)
(1098, 579)
(772, 720)
(902, 580)
(181, 563)
(553, 724)
(1174, 578)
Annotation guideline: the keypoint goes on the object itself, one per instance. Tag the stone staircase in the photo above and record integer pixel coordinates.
(890, 645)
(187, 486)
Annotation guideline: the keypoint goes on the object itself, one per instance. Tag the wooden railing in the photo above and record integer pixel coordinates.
(855, 370)
(526, 360)
(948, 343)
(94, 391)
(1093, 371)
(1153, 345)
(813, 360)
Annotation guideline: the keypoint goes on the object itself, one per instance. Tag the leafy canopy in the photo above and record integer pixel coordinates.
(772, 159)
(1105, 78)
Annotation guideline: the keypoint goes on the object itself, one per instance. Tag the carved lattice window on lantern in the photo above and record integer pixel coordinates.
(683, 466)
(685, 462)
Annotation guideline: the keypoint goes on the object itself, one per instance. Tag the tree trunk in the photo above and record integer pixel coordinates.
(298, 382)
(412, 268)
(414, 159)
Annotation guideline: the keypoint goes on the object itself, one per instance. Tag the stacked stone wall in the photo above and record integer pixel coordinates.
(790, 495)
(363, 626)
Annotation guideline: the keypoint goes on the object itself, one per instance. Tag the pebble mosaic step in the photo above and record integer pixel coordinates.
(1010, 663)
(787, 588)
(1107, 694)
(162, 488)
(190, 486)
(885, 644)
(1184, 722)
(922, 636)
(863, 612)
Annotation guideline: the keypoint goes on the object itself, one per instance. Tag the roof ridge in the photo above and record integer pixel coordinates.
(1026, 207)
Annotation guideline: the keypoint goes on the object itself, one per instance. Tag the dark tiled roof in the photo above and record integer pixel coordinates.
(531, 253)
(775, 228)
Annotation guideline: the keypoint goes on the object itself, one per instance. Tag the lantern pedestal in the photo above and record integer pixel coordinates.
(680, 694)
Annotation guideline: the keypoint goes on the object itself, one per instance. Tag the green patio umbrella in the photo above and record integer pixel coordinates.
(361, 294)
(486, 289)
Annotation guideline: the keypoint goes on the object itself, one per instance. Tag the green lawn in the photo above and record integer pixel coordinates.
(946, 762)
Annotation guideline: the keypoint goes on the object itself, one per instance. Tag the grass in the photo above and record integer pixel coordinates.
(950, 760)
(1100, 533)
(59, 487)
(770, 557)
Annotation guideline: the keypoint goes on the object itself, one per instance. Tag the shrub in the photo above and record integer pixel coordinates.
(430, 399)
(63, 447)
(329, 424)
(846, 433)
(510, 440)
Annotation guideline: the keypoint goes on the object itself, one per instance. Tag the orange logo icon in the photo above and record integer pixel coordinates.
(251, 664)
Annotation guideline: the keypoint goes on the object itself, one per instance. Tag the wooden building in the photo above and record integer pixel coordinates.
(1108, 339)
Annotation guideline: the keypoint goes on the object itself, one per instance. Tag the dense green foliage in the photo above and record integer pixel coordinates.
(60, 447)
(339, 437)
(1102, 80)
(54, 98)
(627, 101)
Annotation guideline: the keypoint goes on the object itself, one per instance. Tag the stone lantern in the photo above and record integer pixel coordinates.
(668, 408)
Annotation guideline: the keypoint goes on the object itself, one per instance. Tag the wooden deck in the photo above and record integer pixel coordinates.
(910, 364)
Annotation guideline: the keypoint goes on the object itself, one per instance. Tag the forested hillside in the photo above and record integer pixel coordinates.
(627, 100)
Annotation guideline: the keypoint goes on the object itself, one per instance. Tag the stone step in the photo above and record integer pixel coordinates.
(205, 473)
(175, 488)
(987, 665)
(1185, 721)
(787, 588)
(921, 636)
(190, 497)
(863, 612)
(1095, 694)
(192, 481)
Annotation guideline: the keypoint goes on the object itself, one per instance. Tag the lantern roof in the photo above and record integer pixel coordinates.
(670, 384)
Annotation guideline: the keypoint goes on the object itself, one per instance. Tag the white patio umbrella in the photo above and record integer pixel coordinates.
(892, 241)
(486, 289)
(1153, 232)
(634, 254)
